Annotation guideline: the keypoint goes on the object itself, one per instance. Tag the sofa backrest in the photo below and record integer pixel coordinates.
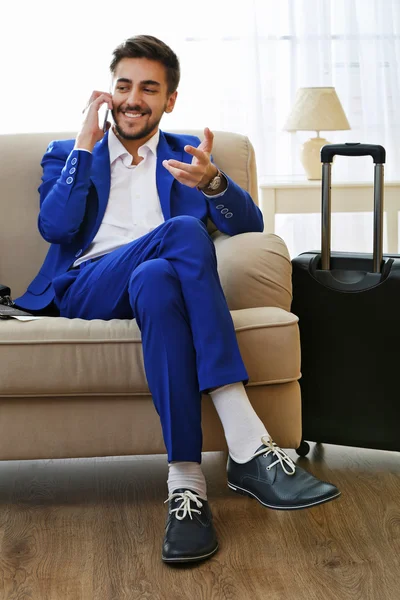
(22, 249)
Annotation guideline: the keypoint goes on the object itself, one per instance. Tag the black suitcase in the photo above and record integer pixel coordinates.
(349, 317)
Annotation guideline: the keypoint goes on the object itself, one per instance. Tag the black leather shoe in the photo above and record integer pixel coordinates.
(189, 532)
(274, 480)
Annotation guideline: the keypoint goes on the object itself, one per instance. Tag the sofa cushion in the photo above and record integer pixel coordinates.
(69, 357)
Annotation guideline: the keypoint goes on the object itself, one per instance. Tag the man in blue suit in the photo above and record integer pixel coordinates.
(125, 212)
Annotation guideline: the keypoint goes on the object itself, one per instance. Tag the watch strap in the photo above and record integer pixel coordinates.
(213, 184)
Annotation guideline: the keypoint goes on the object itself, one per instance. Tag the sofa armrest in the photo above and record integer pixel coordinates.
(254, 269)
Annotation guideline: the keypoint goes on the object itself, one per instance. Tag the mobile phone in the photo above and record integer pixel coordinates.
(105, 120)
(103, 114)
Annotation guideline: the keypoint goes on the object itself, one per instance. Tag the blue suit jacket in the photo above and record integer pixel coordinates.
(74, 194)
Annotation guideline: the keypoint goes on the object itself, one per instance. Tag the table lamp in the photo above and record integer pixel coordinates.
(315, 109)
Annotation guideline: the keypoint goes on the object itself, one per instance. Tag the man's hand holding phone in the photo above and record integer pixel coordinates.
(92, 131)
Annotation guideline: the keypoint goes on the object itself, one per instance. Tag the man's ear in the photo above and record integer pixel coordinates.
(171, 102)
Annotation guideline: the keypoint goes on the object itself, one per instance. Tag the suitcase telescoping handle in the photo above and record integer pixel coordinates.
(378, 154)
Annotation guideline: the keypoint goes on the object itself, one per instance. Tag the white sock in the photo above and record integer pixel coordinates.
(242, 426)
(187, 475)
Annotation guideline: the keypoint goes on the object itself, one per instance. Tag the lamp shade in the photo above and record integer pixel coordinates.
(317, 109)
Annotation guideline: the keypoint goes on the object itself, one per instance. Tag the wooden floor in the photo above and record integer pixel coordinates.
(92, 529)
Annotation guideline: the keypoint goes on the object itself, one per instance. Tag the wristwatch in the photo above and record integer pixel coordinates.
(213, 185)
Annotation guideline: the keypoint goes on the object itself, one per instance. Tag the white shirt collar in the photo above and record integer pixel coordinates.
(116, 149)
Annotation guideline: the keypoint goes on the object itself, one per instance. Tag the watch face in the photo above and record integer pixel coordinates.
(215, 183)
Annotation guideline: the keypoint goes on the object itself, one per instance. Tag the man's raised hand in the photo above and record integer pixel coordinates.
(91, 132)
(201, 170)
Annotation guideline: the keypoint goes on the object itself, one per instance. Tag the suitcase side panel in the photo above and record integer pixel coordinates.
(350, 346)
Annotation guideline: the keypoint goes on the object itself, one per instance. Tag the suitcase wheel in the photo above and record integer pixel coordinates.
(303, 449)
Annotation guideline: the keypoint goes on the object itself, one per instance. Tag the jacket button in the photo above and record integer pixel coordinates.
(72, 171)
(224, 211)
(69, 180)
(220, 206)
(228, 215)
(74, 161)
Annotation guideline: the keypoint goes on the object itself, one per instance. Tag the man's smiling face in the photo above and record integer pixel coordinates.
(140, 98)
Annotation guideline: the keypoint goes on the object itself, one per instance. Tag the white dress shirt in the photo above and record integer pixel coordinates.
(133, 207)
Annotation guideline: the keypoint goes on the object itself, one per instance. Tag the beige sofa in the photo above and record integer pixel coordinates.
(75, 388)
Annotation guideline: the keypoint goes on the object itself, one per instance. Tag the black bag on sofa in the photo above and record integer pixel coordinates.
(349, 317)
(7, 306)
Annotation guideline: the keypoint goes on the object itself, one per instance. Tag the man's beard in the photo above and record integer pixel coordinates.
(145, 131)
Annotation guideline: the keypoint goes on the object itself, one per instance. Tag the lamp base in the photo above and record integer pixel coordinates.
(310, 156)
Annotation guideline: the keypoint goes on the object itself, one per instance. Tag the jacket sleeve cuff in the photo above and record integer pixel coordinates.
(78, 162)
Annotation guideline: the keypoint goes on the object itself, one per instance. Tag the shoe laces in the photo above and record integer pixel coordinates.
(185, 508)
(280, 455)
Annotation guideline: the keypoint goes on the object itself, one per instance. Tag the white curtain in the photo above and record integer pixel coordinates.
(242, 63)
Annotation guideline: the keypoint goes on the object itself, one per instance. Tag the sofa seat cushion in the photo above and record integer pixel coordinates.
(75, 357)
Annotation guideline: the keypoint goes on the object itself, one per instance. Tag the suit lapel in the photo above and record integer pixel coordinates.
(164, 178)
(101, 176)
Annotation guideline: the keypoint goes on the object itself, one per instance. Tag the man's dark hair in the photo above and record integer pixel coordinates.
(147, 46)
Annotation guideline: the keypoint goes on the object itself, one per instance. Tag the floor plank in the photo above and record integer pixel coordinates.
(80, 529)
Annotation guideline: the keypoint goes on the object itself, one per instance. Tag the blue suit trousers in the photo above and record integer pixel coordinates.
(168, 281)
